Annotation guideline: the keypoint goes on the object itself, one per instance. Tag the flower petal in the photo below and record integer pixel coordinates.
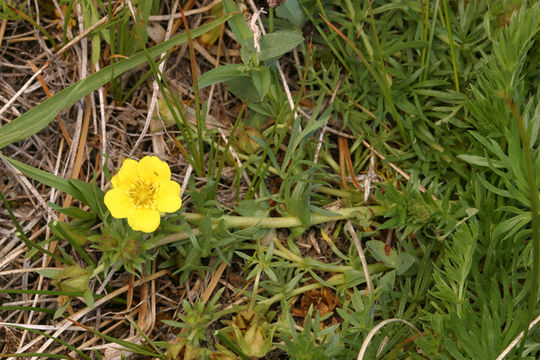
(168, 197)
(153, 169)
(118, 203)
(126, 174)
(145, 220)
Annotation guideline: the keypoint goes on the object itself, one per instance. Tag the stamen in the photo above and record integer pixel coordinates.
(142, 193)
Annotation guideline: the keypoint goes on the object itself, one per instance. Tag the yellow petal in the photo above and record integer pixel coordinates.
(118, 203)
(145, 220)
(126, 174)
(168, 197)
(153, 169)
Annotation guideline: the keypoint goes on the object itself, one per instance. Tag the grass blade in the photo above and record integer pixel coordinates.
(38, 117)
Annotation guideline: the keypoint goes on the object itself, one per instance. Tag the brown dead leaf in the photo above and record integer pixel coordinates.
(323, 300)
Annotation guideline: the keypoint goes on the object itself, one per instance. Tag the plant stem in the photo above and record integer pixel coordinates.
(290, 221)
(451, 40)
(271, 20)
(273, 222)
(334, 281)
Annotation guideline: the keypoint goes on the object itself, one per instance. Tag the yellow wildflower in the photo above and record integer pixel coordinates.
(141, 191)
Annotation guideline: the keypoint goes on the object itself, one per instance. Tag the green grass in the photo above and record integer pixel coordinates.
(447, 91)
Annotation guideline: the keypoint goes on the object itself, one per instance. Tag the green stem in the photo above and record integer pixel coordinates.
(254, 293)
(345, 194)
(273, 222)
(303, 263)
(201, 121)
(271, 20)
(334, 281)
(451, 39)
(291, 221)
(430, 42)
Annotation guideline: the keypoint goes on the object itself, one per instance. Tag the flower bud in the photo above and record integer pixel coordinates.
(181, 349)
(245, 141)
(222, 354)
(250, 333)
(73, 278)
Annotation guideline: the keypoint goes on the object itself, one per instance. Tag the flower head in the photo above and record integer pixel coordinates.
(141, 191)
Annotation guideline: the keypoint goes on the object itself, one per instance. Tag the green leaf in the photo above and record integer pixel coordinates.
(89, 298)
(93, 196)
(244, 89)
(387, 281)
(278, 43)
(261, 79)
(174, 323)
(480, 161)
(46, 178)
(390, 257)
(96, 47)
(404, 45)
(404, 262)
(253, 207)
(60, 311)
(73, 212)
(38, 117)
(237, 23)
(298, 204)
(86, 193)
(291, 10)
(378, 250)
(75, 236)
(221, 74)
(49, 273)
(298, 139)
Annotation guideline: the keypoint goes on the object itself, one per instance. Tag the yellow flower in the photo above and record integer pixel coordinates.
(141, 191)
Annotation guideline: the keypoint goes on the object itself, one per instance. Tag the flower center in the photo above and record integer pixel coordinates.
(142, 193)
